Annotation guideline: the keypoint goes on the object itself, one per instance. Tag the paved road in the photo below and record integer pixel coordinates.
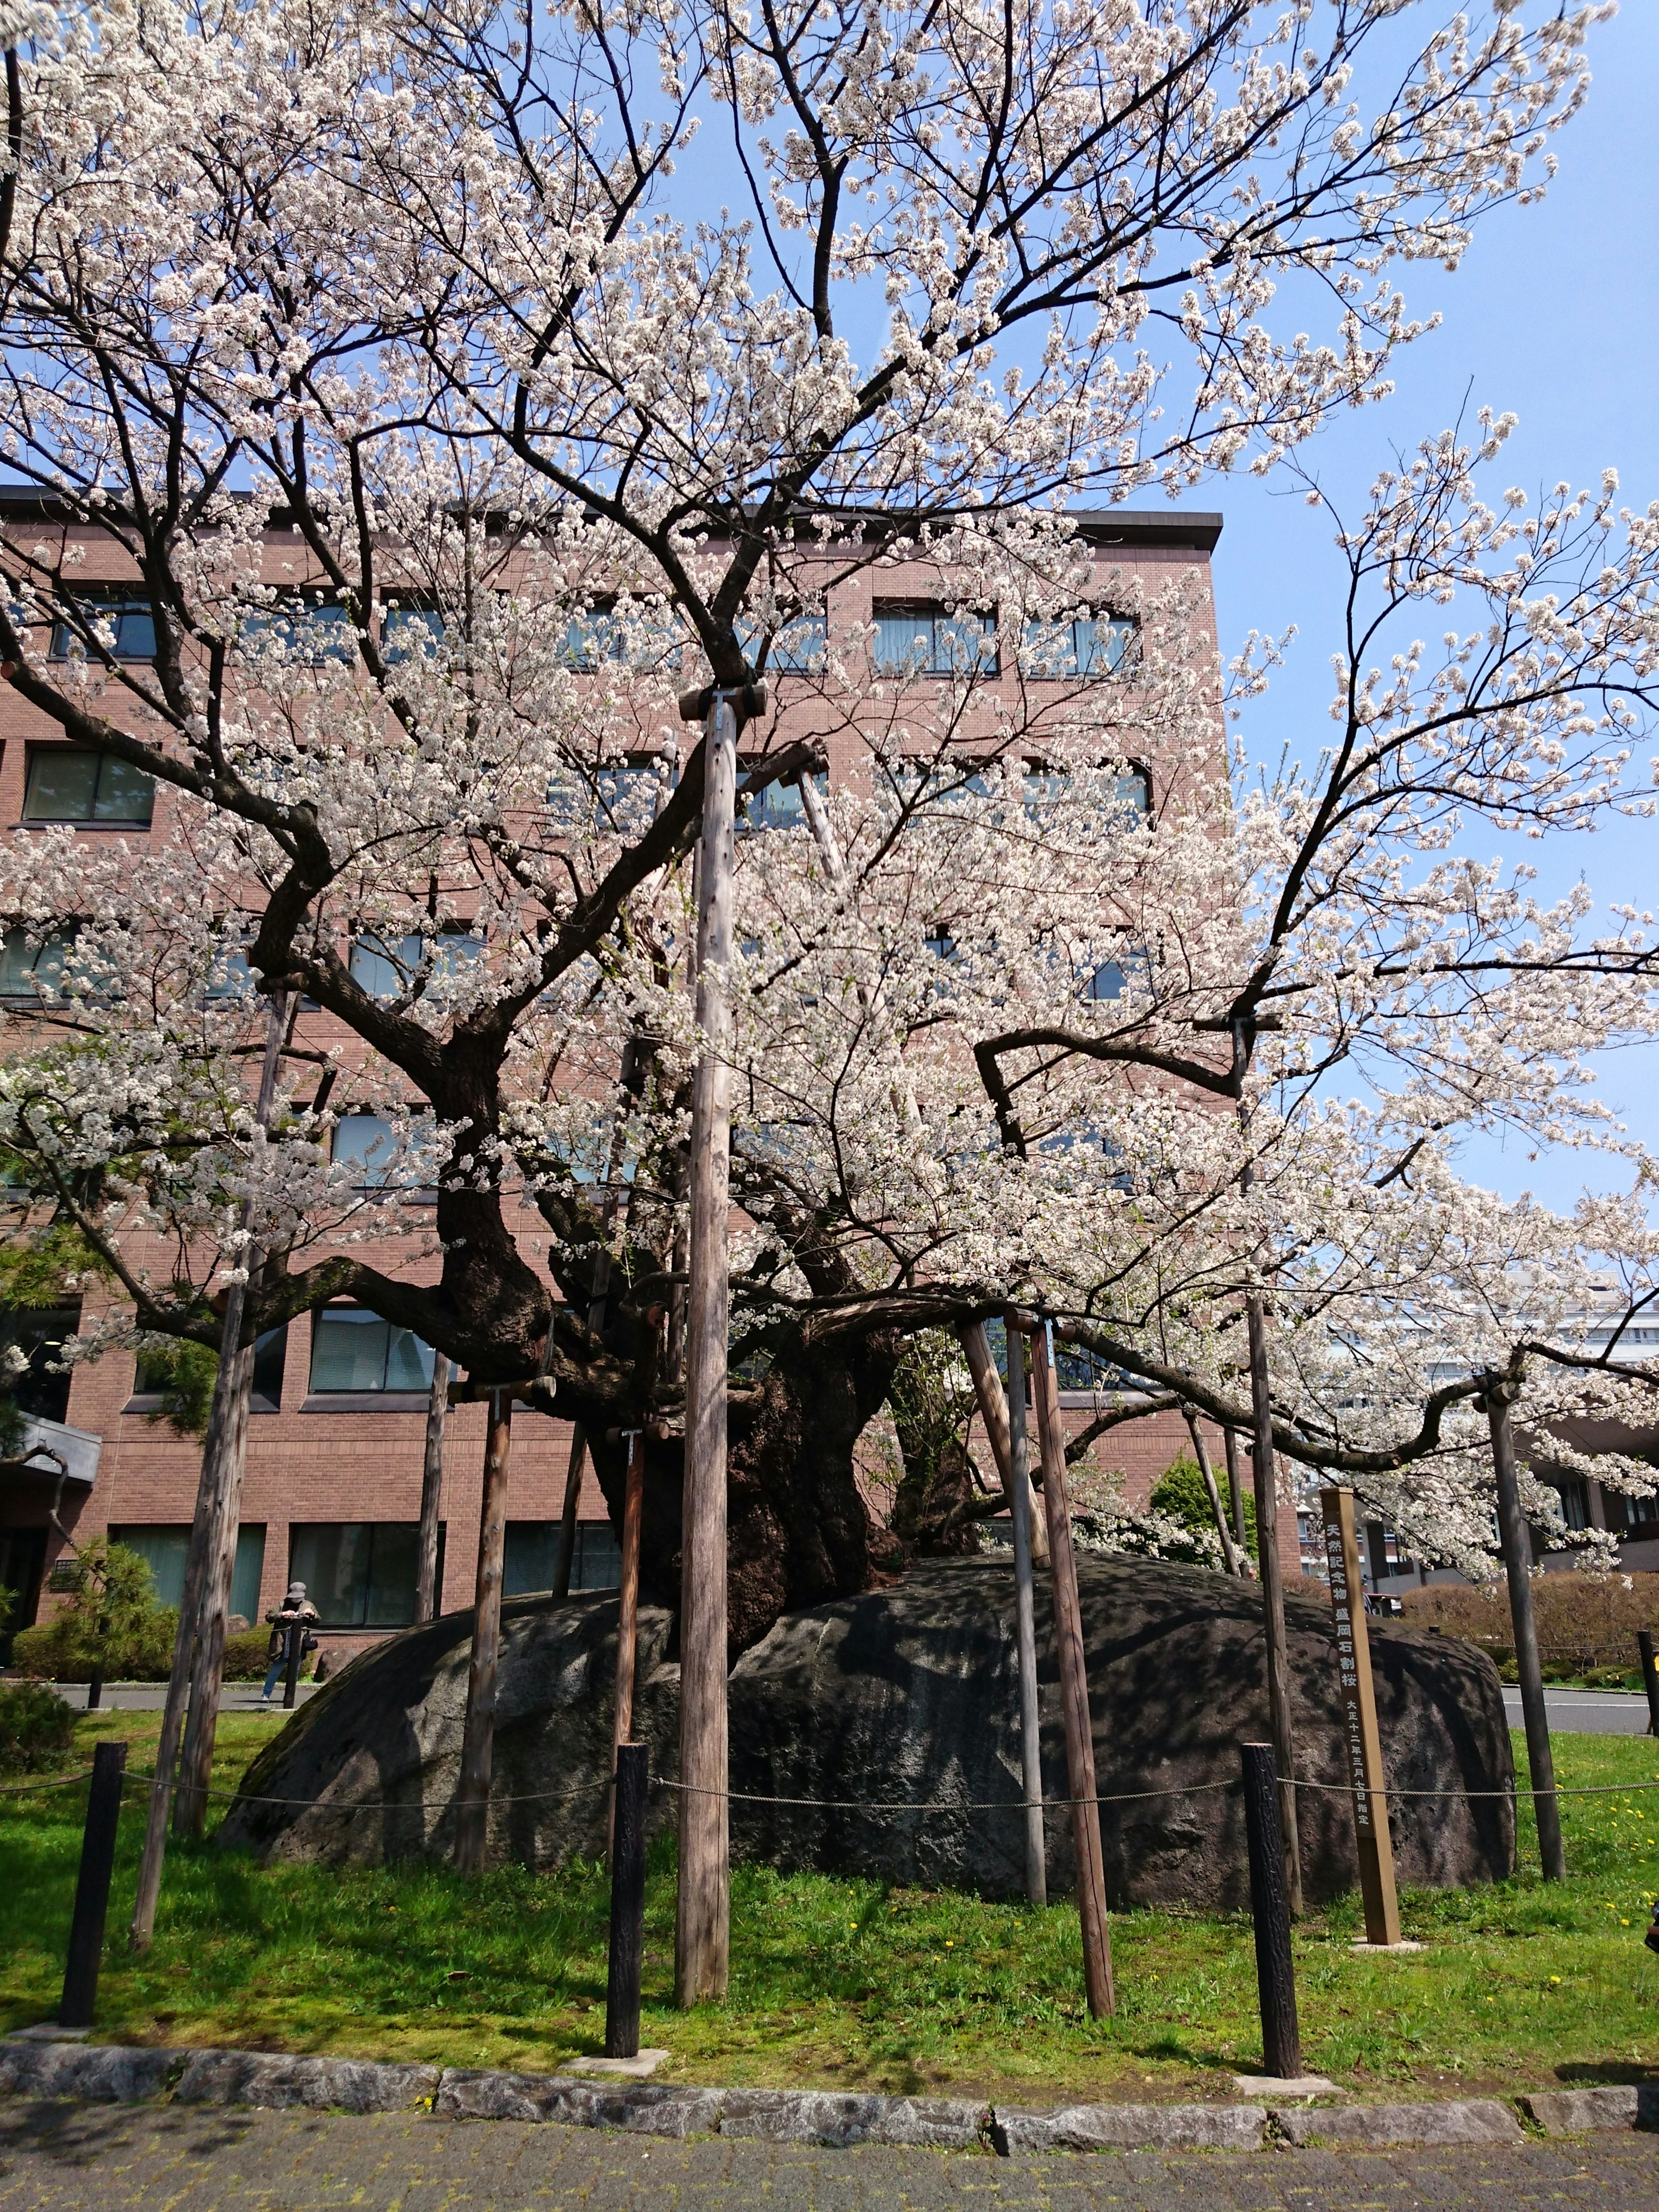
(1587, 1712)
(149, 1697)
(96, 2159)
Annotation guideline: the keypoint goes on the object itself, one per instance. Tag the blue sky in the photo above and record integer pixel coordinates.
(1554, 315)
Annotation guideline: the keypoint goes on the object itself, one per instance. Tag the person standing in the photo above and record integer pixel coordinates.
(296, 1610)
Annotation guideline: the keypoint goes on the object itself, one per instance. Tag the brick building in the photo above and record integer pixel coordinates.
(336, 1437)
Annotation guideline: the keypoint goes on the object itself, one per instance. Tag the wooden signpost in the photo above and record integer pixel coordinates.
(1362, 1745)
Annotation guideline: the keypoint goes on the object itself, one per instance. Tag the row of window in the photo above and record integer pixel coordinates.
(912, 637)
(66, 785)
(361, 1574)
(353, 1352)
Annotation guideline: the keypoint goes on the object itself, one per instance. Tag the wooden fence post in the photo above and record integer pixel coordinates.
(702, 1931)
(1650, 1677)
(1270, 1909)
(628, 1611)
(1273, 1596)
(1074, 1690)
(1362, 1744)
(86, 1943)
(628, 1811)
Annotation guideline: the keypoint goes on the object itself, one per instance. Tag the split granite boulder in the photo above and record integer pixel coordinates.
(906, 1698)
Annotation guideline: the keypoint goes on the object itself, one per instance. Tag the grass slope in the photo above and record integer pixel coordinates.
(847, 1983)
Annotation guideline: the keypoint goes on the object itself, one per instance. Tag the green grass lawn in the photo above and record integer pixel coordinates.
(849, 1984)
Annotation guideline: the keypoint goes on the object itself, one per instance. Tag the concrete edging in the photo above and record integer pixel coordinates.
(279, 2081)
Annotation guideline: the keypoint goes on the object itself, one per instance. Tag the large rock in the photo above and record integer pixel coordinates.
(906, 1697)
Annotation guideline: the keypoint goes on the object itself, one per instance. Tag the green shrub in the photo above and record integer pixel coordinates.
(1180, 1493)
(36, 1727)
(111, 1624)
(245, 1655)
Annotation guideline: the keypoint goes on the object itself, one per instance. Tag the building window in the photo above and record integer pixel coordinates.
(919, 638)
(369, 1145)
(796, 647)
(533, 1551)
(408, 632)
(1095, 645)
(230, 976)
(66, 785)
(310, 633)
(358, 1574)
(625, 795)
(389, 967)
(353, 1349)
(779, 806)
(39, 1333)
(165, 1548)
(125, 628)
(150, 1377)
(1106, 982)
(31, 966)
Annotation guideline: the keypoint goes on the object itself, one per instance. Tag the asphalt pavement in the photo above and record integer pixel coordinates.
(59, 2157)
(149, 1697)
(1586, 1712)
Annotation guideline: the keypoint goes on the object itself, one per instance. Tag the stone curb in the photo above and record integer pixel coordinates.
(115, 2074)
(1474, 2120)
(1582, 2112)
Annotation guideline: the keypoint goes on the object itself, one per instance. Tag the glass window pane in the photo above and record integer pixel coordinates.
(390, 1598)
(598, 1564)
(779, 806)
(347, 1350)
(532, 1551)
(62, 785)
(270, 1356)
(411, 634)
(384, 967)
(904, 641)
(125, 793)
(248, 1572)
(163, 1551)
(408, 1362)
(230, 977)
(30, 966)
(365, 1143)
(454, 952)
(135, 632)
(331, 1558)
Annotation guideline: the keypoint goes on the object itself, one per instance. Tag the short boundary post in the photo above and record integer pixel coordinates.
(86, 1942)
(1650, 1677)
(1270, 1908)
(621, 1991)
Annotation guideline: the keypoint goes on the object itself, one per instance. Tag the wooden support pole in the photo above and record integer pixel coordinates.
(210, 1545)
(230, 1437)
(1270, 1909)
(565, 1559)
(993, 1412)
(1236, 1499)
(86, 1943)
(1361, 1742)
(1272, 1596)
(1516, 1541)
(1030, 1739)
(478, 1732)
(428, 1596)
(1074, 1690)
(702, 1931)
(628, 1610)
(1231, 1556)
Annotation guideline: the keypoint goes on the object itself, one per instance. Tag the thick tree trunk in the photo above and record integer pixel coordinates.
(934, 1498)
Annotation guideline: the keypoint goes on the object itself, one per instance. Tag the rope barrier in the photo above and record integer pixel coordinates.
(358, 1805)
(28, 1788)
(937, 1804)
